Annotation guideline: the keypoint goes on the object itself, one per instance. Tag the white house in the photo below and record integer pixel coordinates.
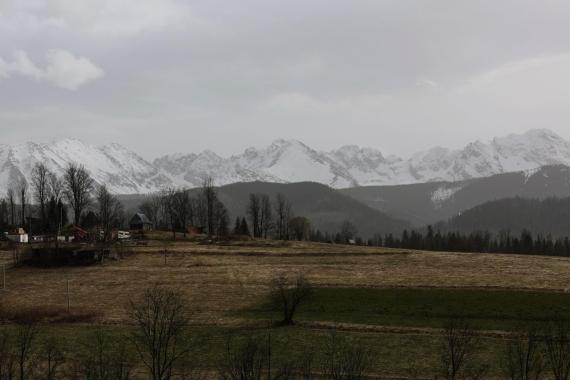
(18, 235)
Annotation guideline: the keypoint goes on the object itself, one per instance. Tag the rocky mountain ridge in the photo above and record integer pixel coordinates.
(287, 161)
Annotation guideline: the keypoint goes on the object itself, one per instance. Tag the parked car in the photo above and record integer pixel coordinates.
(122, 235)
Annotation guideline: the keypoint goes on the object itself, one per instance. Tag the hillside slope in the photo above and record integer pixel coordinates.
(325, 207)
(548, 216)
(429, 203)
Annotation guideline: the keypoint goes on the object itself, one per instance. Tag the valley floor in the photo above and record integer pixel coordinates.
(395, 300)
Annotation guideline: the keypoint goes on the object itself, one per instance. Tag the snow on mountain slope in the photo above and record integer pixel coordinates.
(120, 169)
(443, 193)
(293, 161)
(513, 153)
(288, 161)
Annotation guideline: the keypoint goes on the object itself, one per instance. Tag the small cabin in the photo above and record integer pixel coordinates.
(78, 233)
(140, 222)
(193, 230)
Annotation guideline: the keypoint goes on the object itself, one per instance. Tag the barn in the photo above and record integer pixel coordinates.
(140, 222)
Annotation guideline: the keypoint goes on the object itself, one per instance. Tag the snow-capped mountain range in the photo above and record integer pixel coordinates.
(125, 172)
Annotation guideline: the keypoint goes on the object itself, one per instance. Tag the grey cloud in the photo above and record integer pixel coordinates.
(400, 75)
(62, 69)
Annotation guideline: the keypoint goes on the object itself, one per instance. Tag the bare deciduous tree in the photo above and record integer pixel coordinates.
(254, 214)
(523, 356)
(56, 215)
(151, 208)
(221, 218)
(283, 216)
(78, 185)
(7, 359)
(306, 366)
(55, 187)
(300, 227)
(348, 231)
(557, 347)
(12, 203)
(210, 199)
(110, 211)
(53, 358)
(241, 361)
(169, 206)
(105, 358)
(457, 349)
(25, 340)
(40, 184)
(345, 360)
(160, 333)
(23, 194)
(288, 294)
(208, 211)
(4, 212)
(182, 208)
(265, 216)
(121, 364)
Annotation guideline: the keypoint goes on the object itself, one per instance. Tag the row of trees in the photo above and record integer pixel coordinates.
(269, 219)
(47, 198)
(525, 243)
(176, 209)
(530, 353)
(159, 341)
(272, 219)
(346, 234)
(43, 203)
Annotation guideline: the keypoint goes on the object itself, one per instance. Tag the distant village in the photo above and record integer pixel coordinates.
(49, 212)
(73, 208)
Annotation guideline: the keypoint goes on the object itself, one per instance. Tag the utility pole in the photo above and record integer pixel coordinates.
(269, 351)
(68, 301)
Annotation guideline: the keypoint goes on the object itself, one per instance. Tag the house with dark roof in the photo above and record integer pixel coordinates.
(140, 222)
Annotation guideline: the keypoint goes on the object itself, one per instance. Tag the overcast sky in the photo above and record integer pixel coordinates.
(164, 76)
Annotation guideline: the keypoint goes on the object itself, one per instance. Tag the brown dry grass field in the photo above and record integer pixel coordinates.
(219, 281)
(221, 278)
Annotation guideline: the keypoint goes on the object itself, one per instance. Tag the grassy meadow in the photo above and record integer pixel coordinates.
(393, 301)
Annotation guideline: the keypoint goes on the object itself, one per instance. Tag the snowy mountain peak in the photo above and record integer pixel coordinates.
(124, 171)
(541, 133)
(281, 146)
(280, 143)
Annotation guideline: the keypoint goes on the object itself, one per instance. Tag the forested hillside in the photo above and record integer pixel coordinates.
(548, 216)
(428, 203)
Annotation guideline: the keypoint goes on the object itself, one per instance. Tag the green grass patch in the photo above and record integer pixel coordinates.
(392, 355)
(485, 309)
